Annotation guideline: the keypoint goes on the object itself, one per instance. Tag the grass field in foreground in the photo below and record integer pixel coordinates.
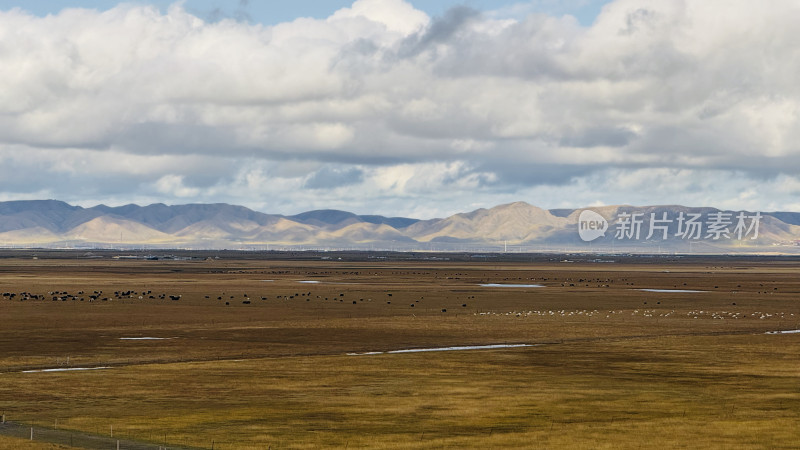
(698, 392)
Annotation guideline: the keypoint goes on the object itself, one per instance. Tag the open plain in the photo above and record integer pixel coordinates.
(308, 350)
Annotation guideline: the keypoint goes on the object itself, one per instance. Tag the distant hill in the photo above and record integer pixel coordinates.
(516, 226)
(792, 218)
(338, 219)
(517, 222)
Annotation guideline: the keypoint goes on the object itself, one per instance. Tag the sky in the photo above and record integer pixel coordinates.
(402, 108)
(272, 12)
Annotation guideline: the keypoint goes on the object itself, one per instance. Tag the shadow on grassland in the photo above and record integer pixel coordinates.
(79, 439)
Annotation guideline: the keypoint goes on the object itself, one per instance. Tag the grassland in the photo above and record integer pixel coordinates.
(23, 444)
(609, 365)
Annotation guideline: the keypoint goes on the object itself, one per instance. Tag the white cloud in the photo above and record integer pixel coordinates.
(396, 16)
(670, 99)
(172, 185)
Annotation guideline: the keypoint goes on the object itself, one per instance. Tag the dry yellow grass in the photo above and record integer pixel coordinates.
(729, 391)
(24, 444)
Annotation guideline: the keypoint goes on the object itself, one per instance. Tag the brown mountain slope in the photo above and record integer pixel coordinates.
(515, 222)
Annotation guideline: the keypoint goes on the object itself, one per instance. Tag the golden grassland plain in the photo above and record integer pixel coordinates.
(271, 352)
(24, 444)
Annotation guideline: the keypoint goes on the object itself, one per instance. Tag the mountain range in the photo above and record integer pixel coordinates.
(512, 227)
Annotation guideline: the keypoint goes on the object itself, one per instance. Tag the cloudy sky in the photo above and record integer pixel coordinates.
(414, 108)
